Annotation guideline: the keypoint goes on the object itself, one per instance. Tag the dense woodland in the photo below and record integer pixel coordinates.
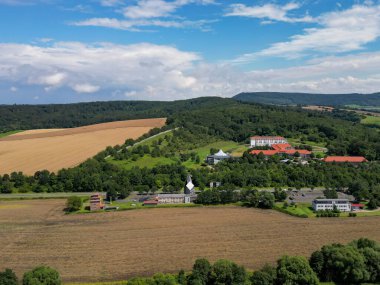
(355, 263)
(281, 98)
(198, 122)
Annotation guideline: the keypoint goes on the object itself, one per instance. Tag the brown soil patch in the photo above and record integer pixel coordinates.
(38, 149)
(114, 246)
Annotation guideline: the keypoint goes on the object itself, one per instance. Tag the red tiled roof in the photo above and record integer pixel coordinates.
(267, 137)
(300, 151)
(356, 159)
(282, 146)
(358, 205)
(151, 202)
(264, 152)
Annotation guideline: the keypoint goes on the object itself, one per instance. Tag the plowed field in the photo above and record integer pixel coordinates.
(34, 150)
(114, 246)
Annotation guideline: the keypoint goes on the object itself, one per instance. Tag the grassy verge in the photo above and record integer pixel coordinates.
(3, 135)
(301, 210)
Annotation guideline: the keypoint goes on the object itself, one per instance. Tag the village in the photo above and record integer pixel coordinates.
(261, 146)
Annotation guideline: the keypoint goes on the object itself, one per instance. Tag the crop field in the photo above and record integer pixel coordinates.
(34, 150)
(118, 245)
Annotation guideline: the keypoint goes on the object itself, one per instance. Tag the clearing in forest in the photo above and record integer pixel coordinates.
(53, 149)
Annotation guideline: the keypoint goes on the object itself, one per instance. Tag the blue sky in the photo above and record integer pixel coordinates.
(56, 51)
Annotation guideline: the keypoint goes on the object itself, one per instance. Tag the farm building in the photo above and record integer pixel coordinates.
(150, 203)
(282, 149)
(96, 202)
(217, 157)
(175, 198)
(267, 140)
(342, 205)
(349, 159)
(356, 207)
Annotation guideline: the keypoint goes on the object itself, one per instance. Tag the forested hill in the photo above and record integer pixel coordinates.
(25, 117)
(278, 98)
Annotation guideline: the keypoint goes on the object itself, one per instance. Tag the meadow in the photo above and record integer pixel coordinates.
(371, 120)
(118, 245)
(53, 149)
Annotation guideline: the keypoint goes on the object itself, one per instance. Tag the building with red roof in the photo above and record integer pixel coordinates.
(349, 159)
(282, 149)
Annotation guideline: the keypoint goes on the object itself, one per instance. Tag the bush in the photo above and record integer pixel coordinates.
(352, 214)
(74, 204)
(8, 277)
(42, 275)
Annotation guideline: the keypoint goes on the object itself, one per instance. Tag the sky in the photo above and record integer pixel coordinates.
(63, 51)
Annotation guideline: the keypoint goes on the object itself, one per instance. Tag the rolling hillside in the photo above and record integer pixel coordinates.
(279, 98)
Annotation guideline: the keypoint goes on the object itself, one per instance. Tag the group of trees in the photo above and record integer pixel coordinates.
(355, 263)
(41, 275)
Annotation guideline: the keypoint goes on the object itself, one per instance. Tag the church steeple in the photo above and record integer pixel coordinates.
(189, 187)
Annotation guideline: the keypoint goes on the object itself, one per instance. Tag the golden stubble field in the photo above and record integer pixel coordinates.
(34, 150)
(115, 246)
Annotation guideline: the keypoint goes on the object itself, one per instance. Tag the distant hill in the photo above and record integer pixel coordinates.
(279, 98)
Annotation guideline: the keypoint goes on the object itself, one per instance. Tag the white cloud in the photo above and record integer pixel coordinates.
(149, 13)
(111, 3)
(135, 25)
(85, 88)
(13, 89)
(342, 31)
(155, 72)
(158, 8)
(87, 68)
(270, 12)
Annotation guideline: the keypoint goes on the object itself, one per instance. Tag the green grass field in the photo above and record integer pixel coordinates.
(371, 120)
(317, 147)
(3, 135)
(297, 210)
(145, 161)
(148, 161)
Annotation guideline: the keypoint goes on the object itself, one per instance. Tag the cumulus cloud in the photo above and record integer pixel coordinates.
(272, 12)
(143, 67)
(156, 72)
(342, 31)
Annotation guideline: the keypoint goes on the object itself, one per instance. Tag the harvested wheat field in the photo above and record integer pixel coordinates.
(114, 246)
(54, 149)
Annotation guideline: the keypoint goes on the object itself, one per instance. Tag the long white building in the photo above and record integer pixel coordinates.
(266, 140)
(342, 205)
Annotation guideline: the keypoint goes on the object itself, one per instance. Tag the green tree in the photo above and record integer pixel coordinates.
(74, 203)
(200, 273)
(342, 264)
(295, 270)
(42, 275)
(181, 279)
(8, 277)
(228, 273)
(266, 200)
(264, 276)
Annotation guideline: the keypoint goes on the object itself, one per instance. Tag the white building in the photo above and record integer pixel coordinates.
(175, 198)
(342, 205)
(217, 157)
(266, 140)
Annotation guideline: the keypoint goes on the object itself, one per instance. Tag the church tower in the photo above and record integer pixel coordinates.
(189, 187)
